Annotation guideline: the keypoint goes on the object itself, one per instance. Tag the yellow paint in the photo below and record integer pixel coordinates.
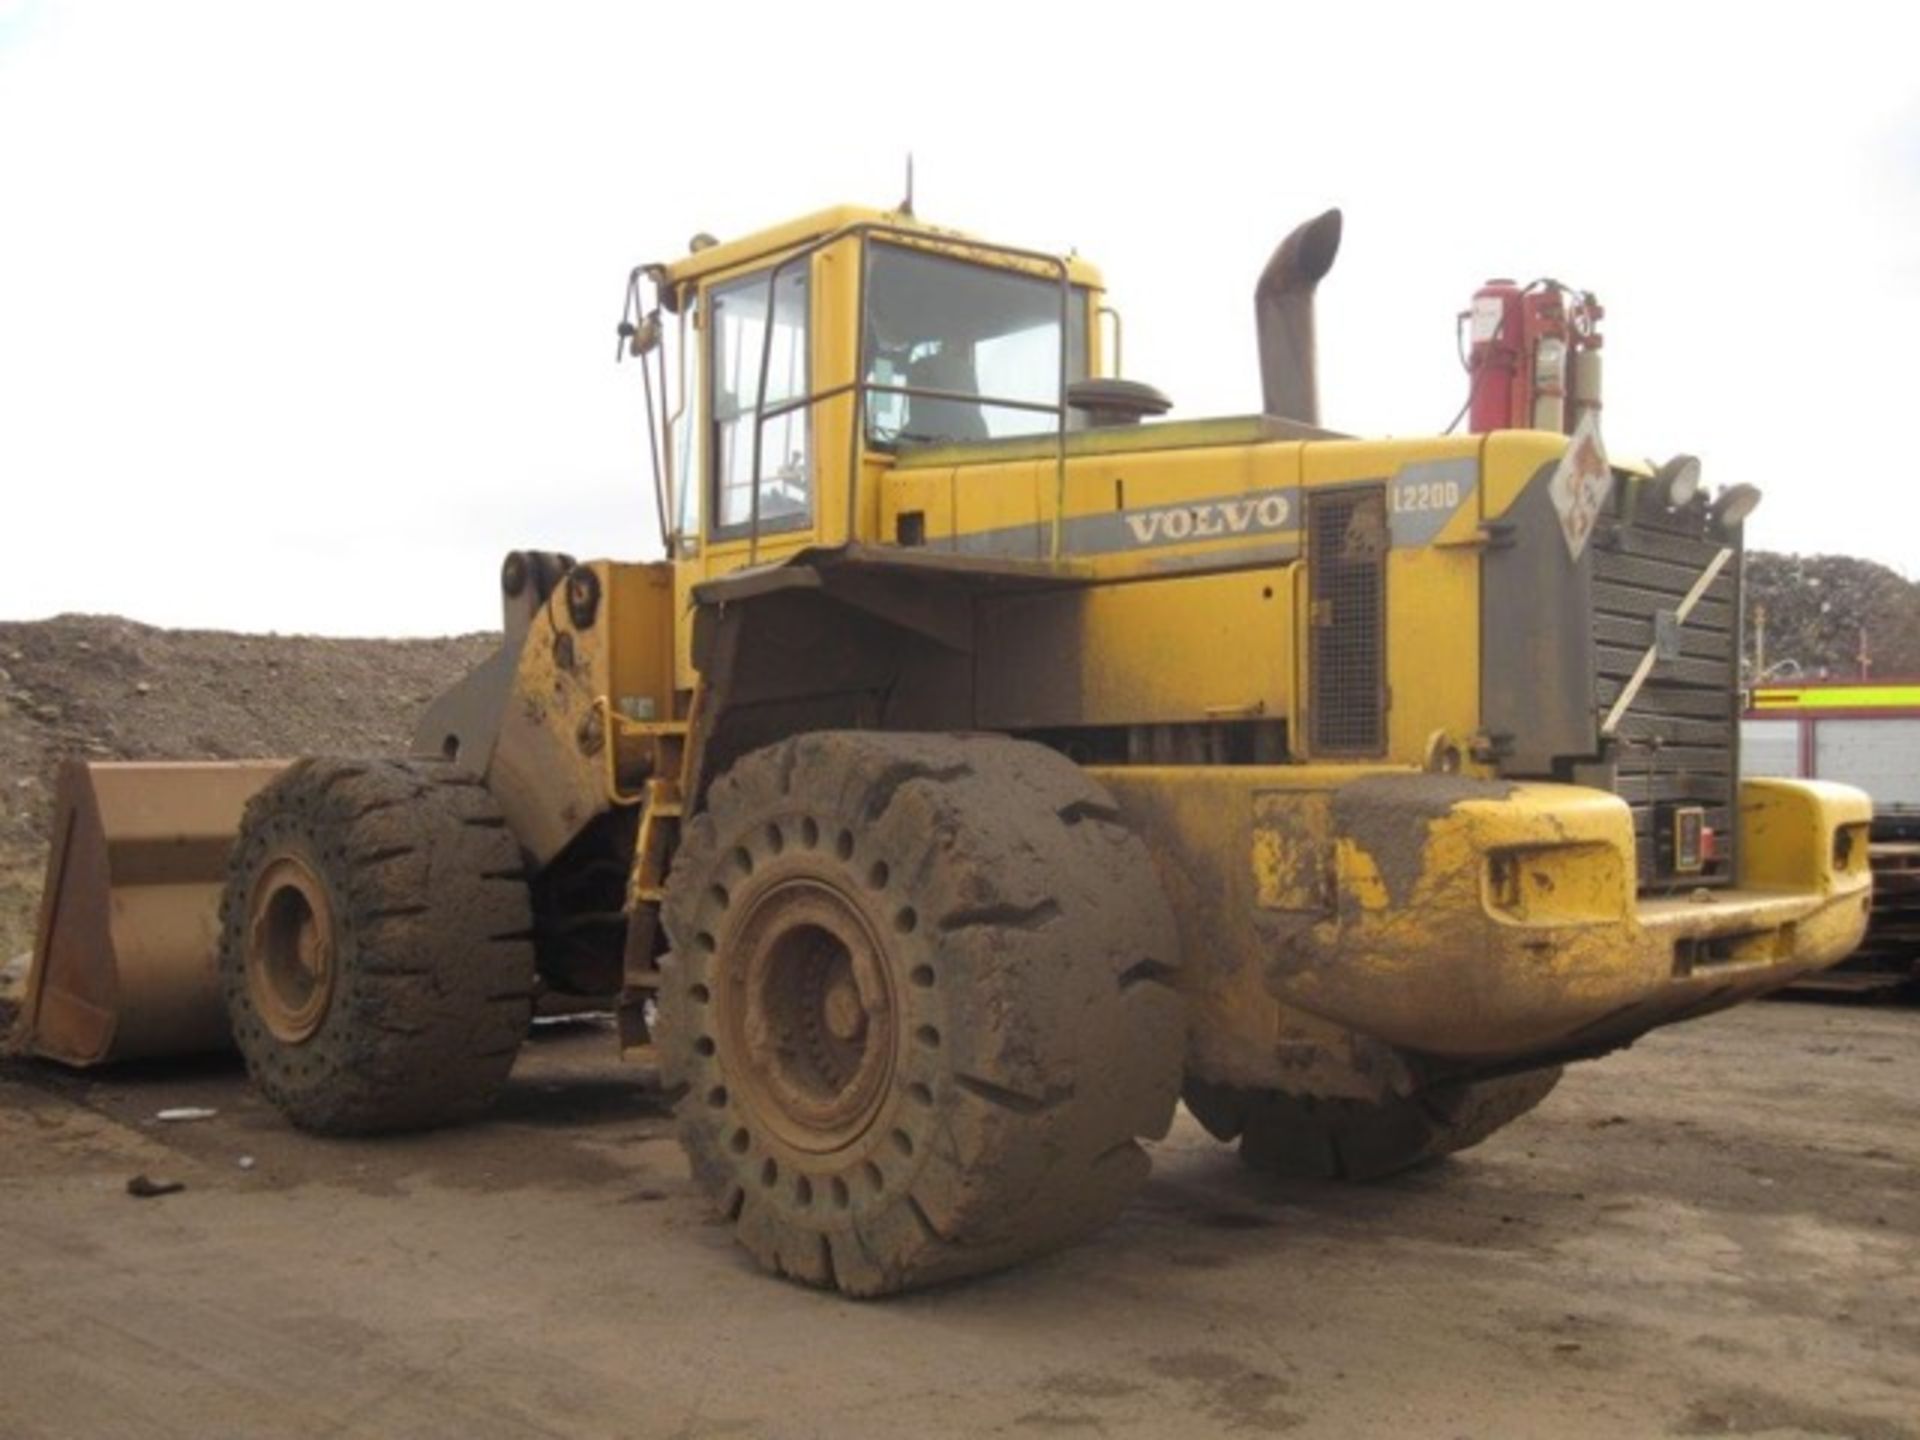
(550, 764)
(1788, 698)
(1512, 927)
(1433, 630)
(639, 637)
(1322, 939)
(1128, 440)
(1009, 490)
(1163, 651)
(1561, 883)
(747, 252)
(1510, 460)
(1788, 831)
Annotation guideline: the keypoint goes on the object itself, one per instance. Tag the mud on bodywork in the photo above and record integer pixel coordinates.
(1495, 922)
(1405, 923)
(1388, 817)
(1403, 933)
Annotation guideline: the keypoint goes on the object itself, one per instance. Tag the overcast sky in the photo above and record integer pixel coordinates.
(306, 309)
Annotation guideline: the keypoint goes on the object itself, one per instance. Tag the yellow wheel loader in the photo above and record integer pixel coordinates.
(991, 764)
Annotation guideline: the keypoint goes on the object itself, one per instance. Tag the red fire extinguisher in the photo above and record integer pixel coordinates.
(1493, 354)
(1530, 351)
(1542, 404)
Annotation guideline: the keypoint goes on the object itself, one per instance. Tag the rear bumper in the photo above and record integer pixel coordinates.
(1488, 922)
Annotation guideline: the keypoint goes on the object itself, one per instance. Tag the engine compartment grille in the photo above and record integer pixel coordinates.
(1678, 740)
(1346, 570)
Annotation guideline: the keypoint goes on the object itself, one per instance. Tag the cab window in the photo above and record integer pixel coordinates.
(975, 334)
(746, 328)
(683, 449)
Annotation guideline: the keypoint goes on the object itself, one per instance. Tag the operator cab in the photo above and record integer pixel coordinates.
(828, 349)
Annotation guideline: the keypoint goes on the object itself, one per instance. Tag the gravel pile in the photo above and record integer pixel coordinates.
(99, 687)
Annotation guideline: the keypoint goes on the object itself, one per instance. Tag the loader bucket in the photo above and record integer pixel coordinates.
(125, 964)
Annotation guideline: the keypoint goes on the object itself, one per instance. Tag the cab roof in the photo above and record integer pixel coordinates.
(763, 244)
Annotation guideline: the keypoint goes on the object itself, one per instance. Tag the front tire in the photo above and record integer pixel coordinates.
(376, 945)
(919, 1001)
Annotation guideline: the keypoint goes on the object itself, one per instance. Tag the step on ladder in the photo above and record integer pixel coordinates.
(662, 802)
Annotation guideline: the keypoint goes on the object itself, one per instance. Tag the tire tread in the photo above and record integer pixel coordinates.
(1052, 1061)
(436, 973)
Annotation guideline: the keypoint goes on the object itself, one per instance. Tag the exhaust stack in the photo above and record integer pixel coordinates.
(1283, 314)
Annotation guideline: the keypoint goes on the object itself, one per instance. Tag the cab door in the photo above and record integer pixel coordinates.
(758, 454)
(717, 491)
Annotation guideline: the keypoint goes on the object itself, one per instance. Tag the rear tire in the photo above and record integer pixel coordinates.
(376, 945)
(1302, 1137)
(919, 1003)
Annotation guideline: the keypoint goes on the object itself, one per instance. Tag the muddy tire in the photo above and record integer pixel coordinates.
(1301, 1137)
(376, 950)
(919, 1002)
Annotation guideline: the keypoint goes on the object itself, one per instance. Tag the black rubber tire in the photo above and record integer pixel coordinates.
(1307, 1138)
(432, 939)
(1038, 1036)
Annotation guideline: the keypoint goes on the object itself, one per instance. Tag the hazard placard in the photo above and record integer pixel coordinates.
(1581, 483)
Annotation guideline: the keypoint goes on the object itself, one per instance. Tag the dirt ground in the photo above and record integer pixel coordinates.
(1712, 1234)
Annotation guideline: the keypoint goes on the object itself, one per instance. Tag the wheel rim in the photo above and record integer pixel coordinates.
(810, 1009)
(289, 957)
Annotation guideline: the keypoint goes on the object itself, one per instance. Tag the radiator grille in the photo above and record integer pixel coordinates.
(1678, 738)
(1346, 566)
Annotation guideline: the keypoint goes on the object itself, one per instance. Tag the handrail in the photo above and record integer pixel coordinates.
(924, 392)
(635, 316)
(610, 721)
(1108, 312)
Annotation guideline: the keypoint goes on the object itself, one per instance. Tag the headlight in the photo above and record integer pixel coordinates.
(1678, 481)
(1734, 505)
